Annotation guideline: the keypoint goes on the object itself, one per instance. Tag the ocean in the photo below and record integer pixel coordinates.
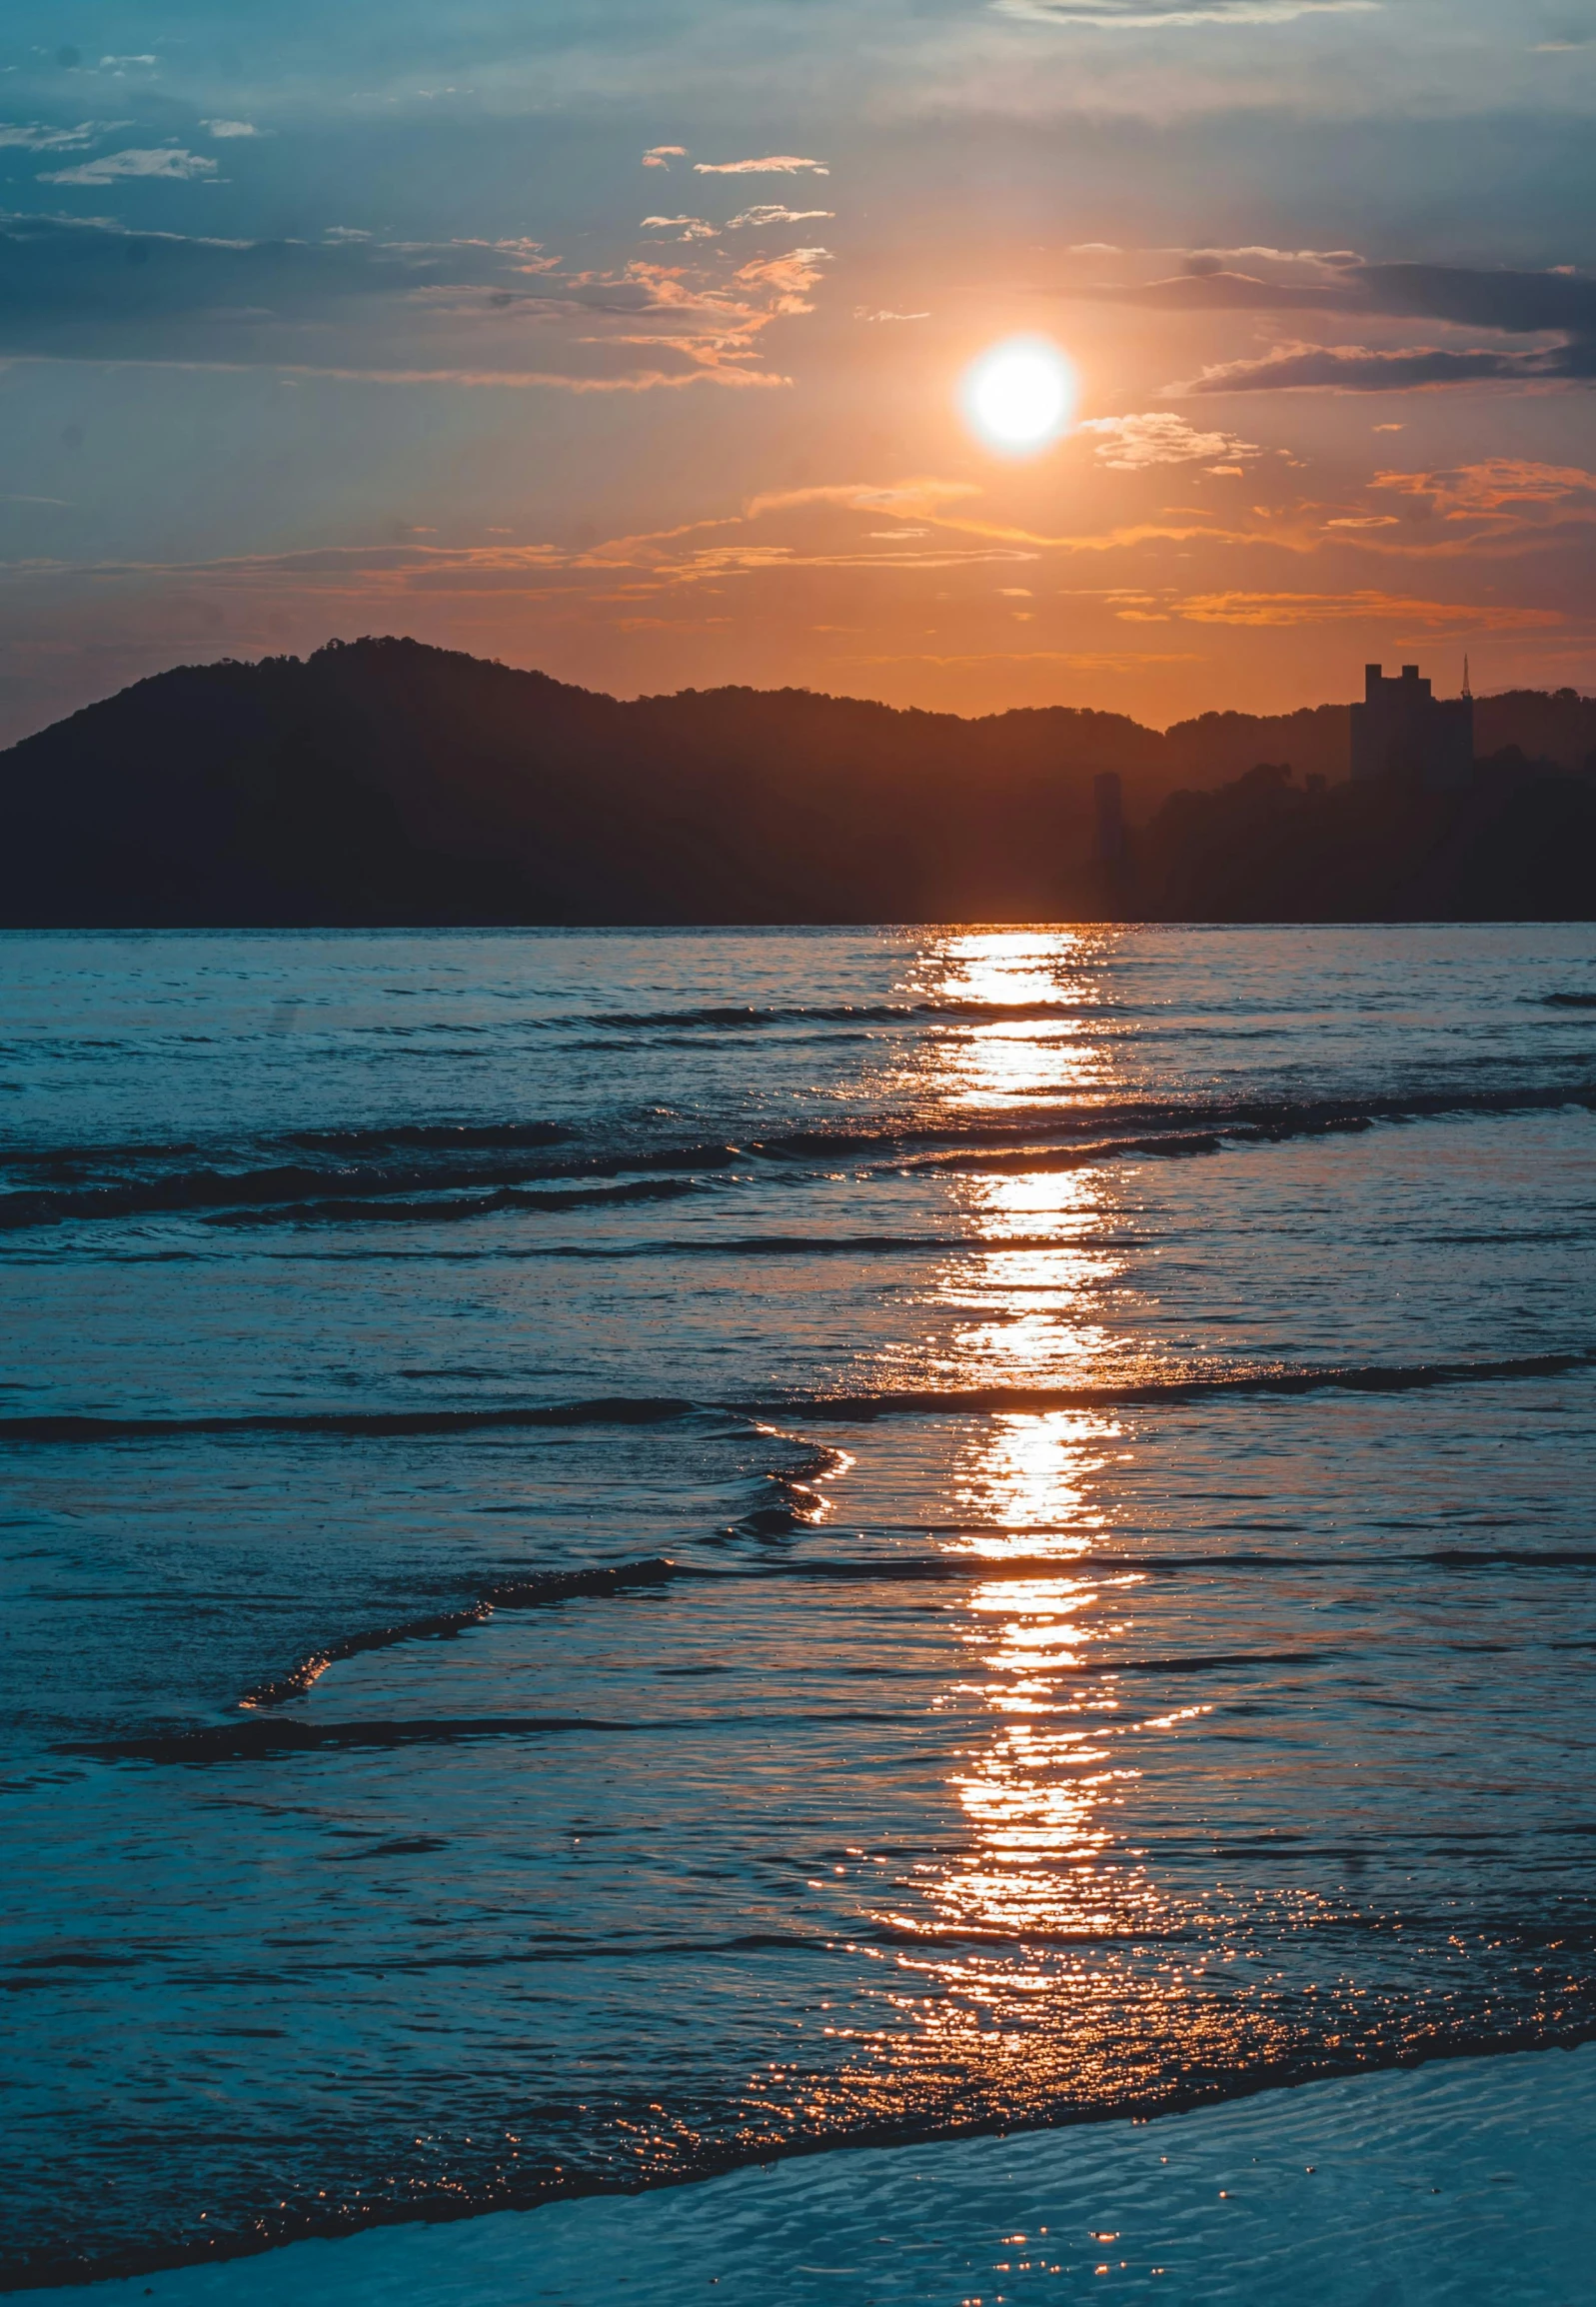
(629, 1554)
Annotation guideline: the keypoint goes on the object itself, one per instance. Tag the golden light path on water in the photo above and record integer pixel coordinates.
(1046, 1052)
(1043, 1790)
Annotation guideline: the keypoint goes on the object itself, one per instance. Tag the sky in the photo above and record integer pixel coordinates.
(629, 339)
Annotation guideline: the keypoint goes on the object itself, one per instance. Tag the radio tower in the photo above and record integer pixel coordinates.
(1467, 692)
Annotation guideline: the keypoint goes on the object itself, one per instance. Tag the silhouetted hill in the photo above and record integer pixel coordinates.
(388, 781)
(1557, 725)
(1520, 845)
(1315, 741)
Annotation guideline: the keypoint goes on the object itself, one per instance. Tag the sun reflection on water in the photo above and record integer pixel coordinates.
(1039, 1298)
(1054, 1042)
(1014, 965)
(1038, 1793)
(1028, 1481)
(1044, 1772)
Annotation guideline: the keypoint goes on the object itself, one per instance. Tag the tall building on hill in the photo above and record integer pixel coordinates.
(1402, 730)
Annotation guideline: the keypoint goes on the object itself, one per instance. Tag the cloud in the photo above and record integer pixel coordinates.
(778, 164)
(1289, 609)
(1130, 536)
(775, 213)
(789, 277)
(1151, 15)
(908, 497)
(746, 560)
(227, 128)
(169, 163)
(456, 310)
(88, 285)
(710, 318)
(531, 255)
(1498, 490)
(684, 227)
(1516, 303)
(1204, 287)
(661, 155)
(507, 380)
(1302, 368)
(1076, 660)
(38, 136)
(1557, 302)
(1132, 443)
(864, 313)
(656, 565)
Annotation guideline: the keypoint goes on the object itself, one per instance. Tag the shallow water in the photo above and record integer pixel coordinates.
(623, 1551)
(1466, 2180)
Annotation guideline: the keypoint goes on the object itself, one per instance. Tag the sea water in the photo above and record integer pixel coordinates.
(626, 1554)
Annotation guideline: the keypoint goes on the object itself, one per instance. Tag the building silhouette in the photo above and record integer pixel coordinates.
(1403, 731)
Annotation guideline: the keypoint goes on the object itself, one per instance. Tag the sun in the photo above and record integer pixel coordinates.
(1020, 395)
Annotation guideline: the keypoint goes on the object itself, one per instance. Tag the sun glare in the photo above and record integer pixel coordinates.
(1020, 395)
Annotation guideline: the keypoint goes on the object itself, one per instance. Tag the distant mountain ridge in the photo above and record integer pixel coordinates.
(385, 780)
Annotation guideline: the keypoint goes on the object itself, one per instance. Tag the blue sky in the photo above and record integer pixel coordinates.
(625, 340)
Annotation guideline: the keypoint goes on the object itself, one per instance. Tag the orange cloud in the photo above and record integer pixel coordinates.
(1133, 444)
(789, 278)
(1285, 609)
(1077, 660)
(1117, 540)
(910, 497)
(1486, 490)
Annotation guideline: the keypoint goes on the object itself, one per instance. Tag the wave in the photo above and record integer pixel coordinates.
(840, 1246)
(352, 1143)
(752, 1016)
(1171, 1147)
(285, 1184)
(253, 1741)
(994, 1570)
(552, 1588)
(481, 1158)
(540, 1590)
(261, 1739)
(448, 1210)
(626, 1409)
(1247, 1120)
(654, 1409)
(442, 1134)
(1376, 1377)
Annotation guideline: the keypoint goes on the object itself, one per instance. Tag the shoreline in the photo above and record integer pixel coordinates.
(1435, 2186)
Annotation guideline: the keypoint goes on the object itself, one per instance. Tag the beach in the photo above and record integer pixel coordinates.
(1467, 2180)
(739, 1613)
